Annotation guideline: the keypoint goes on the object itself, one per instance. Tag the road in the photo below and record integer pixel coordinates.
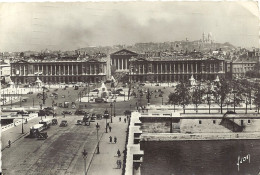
(60, 153)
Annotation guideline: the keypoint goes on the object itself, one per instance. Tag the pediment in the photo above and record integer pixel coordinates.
(124, 52)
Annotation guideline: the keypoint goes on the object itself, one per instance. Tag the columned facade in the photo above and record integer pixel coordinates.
(175, 70)
(59, 71)
(121, 59)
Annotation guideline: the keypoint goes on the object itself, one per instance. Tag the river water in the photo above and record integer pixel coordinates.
(201, 157)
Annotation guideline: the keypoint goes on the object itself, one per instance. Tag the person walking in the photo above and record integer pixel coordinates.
(9, 143)
(110, 139)
(110, 128)
(118, 153)
(120, 163)
(120, 119)
(115, 139)
(125, 120)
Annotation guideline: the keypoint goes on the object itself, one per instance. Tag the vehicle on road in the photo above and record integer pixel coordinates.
(99, 100)
(42, 136)
(66, 112)
(76, 87)
(54, 121)
(80, 112)
(24, 100)
(36, 129)
(66, 104)
(46, 123)
(64, 123)
(79, 122)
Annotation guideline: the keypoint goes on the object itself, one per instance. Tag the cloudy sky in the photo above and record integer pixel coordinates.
(69, 26)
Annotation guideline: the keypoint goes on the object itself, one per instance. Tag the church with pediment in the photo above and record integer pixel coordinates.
(120, 59)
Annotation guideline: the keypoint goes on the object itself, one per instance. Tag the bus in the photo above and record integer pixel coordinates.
(46, 123)
(36, 129)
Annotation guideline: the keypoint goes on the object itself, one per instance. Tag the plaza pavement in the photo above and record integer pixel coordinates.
(105, 162)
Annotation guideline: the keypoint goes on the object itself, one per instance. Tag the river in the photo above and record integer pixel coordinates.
(201, 157)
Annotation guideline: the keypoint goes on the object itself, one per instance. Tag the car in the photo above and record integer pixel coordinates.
(157, 85)
(30, 92)
(66, 112)
(24, 113)
(99, 100)
(64, 123)
(80, 112)
(54, 121)
(79, 122)
(63, 96)
(24, 100)
(230, 112)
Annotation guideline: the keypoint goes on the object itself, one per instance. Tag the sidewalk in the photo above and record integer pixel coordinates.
(105, 162)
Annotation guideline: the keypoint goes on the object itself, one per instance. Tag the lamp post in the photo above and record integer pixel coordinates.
(97, 126)
(106, 115)
(114, 108)
(111, 106)
(22, 123)
(234, 100)
(85, 154)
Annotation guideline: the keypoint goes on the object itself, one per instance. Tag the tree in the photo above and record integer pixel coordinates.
(196, 96)
(174, 99)
(257, 99)
(182, 91)
(220, 93)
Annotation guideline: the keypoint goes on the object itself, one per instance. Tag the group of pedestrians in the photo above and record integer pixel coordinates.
(110, 139)
(114, 140)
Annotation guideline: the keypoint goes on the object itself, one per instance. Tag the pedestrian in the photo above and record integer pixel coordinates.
(110, 139)
(117, 163)
(14, 124)
(125, 120)
(120, 119)
(115, 139)
(9, 143)
(107, 124)
(26, 121)
(120, 164)
(110, 128)
(118, 153)
(45, 115)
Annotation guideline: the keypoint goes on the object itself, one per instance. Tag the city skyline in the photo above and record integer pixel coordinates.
(69, 26)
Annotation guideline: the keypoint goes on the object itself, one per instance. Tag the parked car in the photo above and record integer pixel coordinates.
(99, 100)
(80, 112)
(66, 112)
(79, 122)
(64, 123)
(54, 121)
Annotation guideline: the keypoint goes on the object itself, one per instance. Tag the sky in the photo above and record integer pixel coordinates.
(70, 26)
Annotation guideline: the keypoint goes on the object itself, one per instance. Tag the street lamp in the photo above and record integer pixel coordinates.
(234, 100)
(114, 108)
(22, 123)
(111, 106)
(97, 126)
(85, 154)
(106, 115)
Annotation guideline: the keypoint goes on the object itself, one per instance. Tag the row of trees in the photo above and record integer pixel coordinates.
(223, 93)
